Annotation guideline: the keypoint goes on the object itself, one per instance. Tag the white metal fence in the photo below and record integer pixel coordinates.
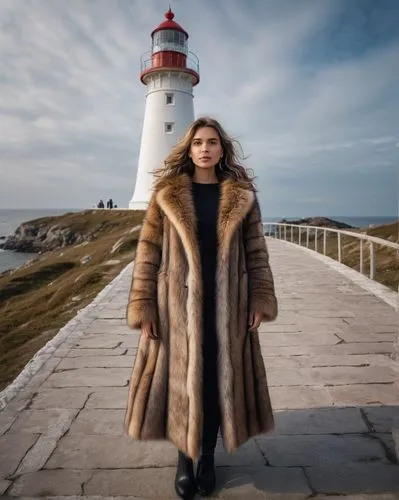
(305, 234)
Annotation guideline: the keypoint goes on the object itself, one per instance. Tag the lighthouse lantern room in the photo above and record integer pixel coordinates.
(169, 72)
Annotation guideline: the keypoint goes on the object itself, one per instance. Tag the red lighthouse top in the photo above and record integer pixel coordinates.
(169, 24)
(169, 52)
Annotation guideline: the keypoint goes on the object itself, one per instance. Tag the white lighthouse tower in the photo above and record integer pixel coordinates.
(169, 72)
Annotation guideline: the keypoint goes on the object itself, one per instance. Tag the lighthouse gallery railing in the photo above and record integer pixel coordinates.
(192, 61)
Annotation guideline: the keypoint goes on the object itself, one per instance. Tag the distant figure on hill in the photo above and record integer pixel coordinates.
(110, 203)
(100, 204)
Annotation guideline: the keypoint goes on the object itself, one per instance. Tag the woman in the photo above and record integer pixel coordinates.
(201, 286)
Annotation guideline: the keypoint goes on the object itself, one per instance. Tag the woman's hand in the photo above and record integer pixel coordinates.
(254, 320)
(149, 331)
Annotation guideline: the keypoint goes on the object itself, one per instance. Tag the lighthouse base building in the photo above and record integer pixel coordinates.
(169, 72)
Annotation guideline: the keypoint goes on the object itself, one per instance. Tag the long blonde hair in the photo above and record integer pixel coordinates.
(178, 162)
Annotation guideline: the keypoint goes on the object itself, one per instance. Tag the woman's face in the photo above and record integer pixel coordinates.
(206, 149)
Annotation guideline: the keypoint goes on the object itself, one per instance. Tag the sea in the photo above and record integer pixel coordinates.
(11, 219)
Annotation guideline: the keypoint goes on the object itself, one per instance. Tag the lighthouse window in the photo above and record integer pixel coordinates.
(169, 40)
(169, 99)
(169, 36)
(169, 128)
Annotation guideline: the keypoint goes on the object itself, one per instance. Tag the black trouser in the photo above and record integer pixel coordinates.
(210, 378)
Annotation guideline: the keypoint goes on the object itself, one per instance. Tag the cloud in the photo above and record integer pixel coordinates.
(310, 90)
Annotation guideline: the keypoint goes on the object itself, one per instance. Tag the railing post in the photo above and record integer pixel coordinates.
(324, 241)
(339, 248)
(307, 237)
(372, 260)
(361, 256)
(300, 234)
(315, 240)
(292, 234)
(285, 232)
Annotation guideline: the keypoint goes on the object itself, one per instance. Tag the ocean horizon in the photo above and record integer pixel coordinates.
(10, 219)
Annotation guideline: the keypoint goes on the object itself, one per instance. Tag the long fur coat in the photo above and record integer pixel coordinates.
(165, 393)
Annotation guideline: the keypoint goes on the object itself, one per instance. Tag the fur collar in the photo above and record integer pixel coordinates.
(175, 198)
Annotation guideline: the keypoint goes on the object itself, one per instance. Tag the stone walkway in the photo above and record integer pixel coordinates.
(333, 385)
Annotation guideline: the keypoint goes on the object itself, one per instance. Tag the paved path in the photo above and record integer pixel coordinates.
(331, 377)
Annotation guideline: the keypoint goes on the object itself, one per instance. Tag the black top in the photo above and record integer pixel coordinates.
(206, 202)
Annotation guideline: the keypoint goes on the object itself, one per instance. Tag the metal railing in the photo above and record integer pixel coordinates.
(306, 233)
(191, 61)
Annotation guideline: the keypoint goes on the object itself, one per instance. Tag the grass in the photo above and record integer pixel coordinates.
(39, 298)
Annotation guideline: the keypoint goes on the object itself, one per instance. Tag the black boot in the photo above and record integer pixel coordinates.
(184, 480)
(206, 476)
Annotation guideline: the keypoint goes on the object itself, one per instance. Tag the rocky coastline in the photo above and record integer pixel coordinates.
(44, 235)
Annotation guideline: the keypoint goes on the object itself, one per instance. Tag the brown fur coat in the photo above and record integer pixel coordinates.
(165, 393)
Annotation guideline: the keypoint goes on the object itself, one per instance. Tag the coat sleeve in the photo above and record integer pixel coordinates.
(261, 294)
(142, 305)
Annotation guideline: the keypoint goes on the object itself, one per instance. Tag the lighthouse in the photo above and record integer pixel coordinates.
(169, 72)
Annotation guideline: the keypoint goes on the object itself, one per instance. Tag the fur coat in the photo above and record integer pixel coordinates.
(165, 392)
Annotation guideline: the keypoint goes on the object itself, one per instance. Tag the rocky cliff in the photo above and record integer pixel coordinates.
(51, 233)
(320, 222)
(41, 237)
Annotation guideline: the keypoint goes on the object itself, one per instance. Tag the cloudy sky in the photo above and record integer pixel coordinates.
(310, 89)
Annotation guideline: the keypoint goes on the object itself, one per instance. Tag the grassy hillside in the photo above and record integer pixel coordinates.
(39, 298)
